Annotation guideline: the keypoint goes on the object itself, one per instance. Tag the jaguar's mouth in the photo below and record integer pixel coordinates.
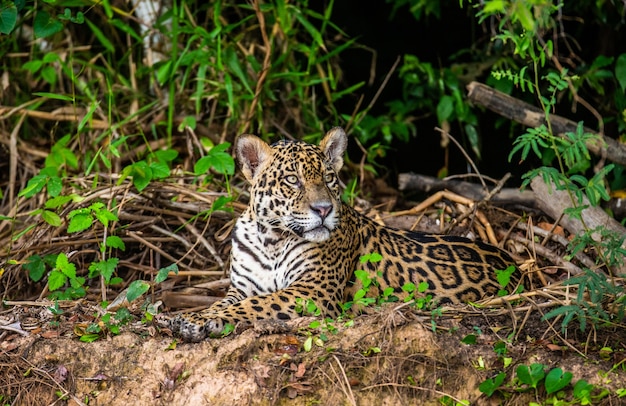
(317, 234)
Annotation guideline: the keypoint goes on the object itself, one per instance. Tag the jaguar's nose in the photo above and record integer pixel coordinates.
(322, 209)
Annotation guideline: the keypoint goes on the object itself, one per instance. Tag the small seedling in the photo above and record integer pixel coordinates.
(557, 380)
(489, 386)
(532, 375)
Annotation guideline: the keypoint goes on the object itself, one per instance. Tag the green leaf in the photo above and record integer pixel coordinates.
(422, 287)
(56, 279)
(163, 272)
(103, 268)
(8, 17)
(44, 25)
(101, 37)
(473, 138)
(160, 170)
(77, 283)
(51, 218)
(371, 257)
(308, 344)
(359, 294)
(313, 32)
(221, 202)
(166, 155)
(89, 338)
(79, 222)
(104, 215)
(445, 108)
(504, 276)
(408, 287)
(113, 241)
(620, 71)
(221, 161)
(65, 266)
(530, 376)
(116, 280)
(232, 62)
(163, 72)
(33, 67)
(34, 185)
(55, 186)
(469, 339)
(58, 201)
(35, 267)
(494, 7)
(489, 386)
(55, 96)
(122, 25)
(136, 289)
(557, 380)
(142, 175)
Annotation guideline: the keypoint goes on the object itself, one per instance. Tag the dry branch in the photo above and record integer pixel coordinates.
(428, 184)
(532, 116)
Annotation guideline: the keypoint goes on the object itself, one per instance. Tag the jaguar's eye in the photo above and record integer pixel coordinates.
(329, 177)
(292, 179)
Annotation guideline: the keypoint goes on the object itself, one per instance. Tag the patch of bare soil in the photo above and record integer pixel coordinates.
(392, 357)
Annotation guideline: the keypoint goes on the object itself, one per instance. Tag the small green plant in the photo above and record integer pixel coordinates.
(322, 328)
(107, 323)
(416, 294)
(504, 279)
(554, 384)
(307, 307)
(156, 166)
(366, 280)
(63, 272)
(532, 375)
(491, 385)
(370, 294)
(592, 289)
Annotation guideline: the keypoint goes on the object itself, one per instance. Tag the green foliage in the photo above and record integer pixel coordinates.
(136, 289)
(82, 219)
(567, 160)
(504, 279)
(555, 384)
(62, 273)
(218, 159)
(489, 386)
(416, 294)
(36, 265)
(109, 322)
(156, 166)
(593, 288)
(532, 375)
(370, 294)
(307, 307)
(163, 273)
(556, 380)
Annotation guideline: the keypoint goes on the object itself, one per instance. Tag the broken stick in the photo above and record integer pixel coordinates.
(531, 116)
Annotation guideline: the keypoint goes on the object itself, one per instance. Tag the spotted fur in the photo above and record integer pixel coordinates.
(297, 239)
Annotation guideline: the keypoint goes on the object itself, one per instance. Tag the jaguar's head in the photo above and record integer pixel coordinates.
(295, 188)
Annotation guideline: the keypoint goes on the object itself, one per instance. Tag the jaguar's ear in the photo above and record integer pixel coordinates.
(334, 145)
(251, 152)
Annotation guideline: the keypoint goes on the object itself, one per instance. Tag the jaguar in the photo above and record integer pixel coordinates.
(297, 241)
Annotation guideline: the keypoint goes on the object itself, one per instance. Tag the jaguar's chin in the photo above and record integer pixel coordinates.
(317, 234)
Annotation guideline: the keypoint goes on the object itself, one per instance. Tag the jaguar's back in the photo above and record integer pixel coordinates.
(297, 239)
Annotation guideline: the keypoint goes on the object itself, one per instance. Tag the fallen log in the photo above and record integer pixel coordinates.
(429, 184)
(554, 202)
(531, 116)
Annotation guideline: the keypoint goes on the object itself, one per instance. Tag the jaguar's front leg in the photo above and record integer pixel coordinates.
(280, 305)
